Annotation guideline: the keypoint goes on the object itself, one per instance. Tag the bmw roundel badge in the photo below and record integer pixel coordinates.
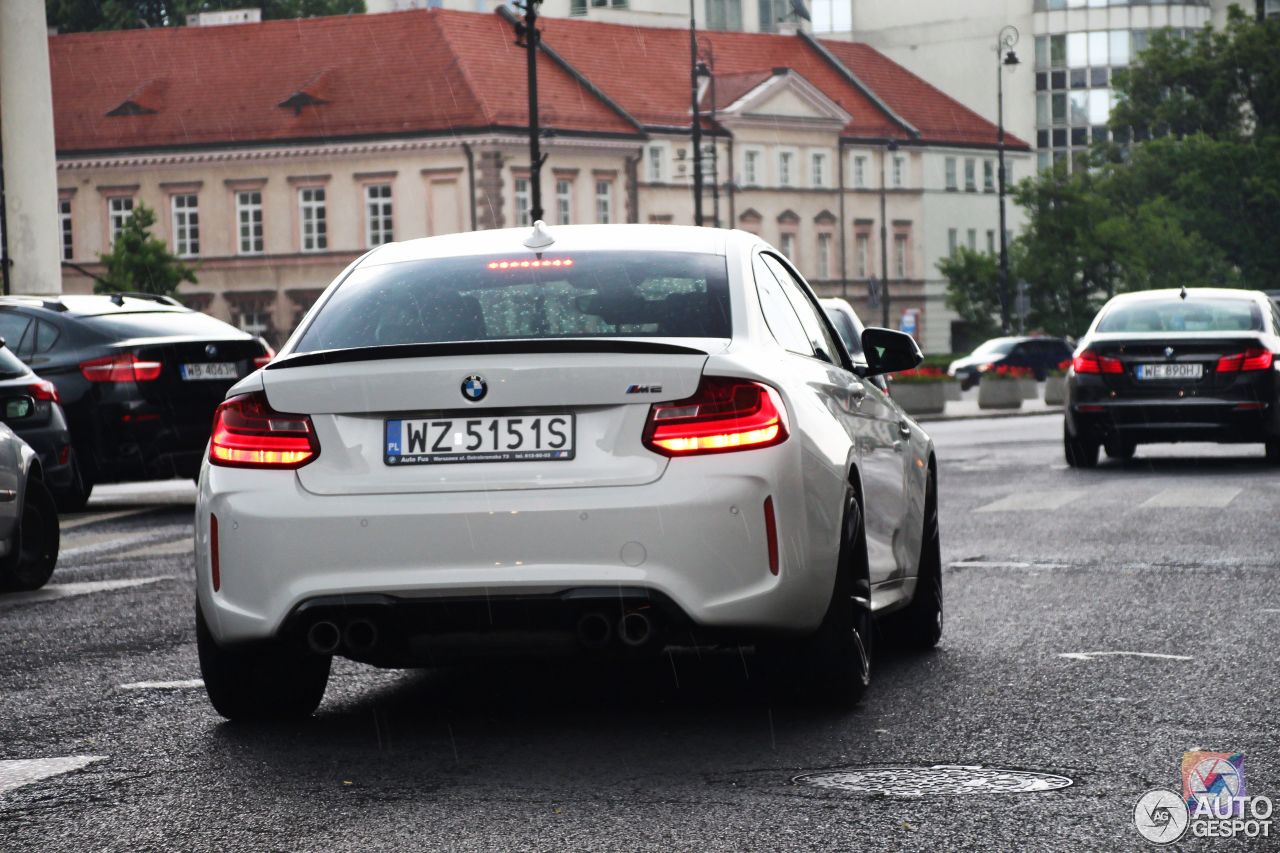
(474, 388)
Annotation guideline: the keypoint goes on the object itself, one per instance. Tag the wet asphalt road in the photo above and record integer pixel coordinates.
(1174, 553)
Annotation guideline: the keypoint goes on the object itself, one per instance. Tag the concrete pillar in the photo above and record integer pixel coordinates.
(26, 141)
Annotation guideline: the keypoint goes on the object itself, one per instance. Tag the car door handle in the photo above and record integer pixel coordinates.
(904, 429)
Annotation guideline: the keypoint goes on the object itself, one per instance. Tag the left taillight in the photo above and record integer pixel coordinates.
(723, 415)
(123, 367)
(248, 433)
(268, 354)
(43, 390)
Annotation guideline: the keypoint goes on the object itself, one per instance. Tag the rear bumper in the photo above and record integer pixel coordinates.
(1184, 420)
(694, 538)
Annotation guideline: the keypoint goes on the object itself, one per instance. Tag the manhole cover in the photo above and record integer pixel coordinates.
(938, 779)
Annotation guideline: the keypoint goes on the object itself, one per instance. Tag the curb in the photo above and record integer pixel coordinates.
(993, 414)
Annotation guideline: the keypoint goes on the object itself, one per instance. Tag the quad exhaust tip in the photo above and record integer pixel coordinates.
(635, 629)
(594, 630)
(323, 638)
(360, 635)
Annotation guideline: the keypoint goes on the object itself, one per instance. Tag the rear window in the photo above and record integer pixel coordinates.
(11, 367)
(996, 347)
(1184, 315)
(161, 324)
(476, 298)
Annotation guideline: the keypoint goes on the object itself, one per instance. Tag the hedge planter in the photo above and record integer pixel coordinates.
(921, 398)
(953, 391)
(1055, 390)
(1030, 388)
(999, 394)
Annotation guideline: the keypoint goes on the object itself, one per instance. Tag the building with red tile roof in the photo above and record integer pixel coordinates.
(302, 142)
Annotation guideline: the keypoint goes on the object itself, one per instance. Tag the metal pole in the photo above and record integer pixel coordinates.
(844, 267)
(4, 232)
(536, 158)
(884, 245)
(1008, 38)
(715, 154)
(697, 119)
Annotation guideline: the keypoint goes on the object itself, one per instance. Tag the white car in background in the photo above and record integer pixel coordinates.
(608, 438)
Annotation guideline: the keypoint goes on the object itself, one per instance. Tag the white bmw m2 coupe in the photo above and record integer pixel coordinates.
(602, 439)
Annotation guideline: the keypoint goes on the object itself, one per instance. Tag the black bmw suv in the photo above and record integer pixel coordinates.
(1197, 364)
(139, 376)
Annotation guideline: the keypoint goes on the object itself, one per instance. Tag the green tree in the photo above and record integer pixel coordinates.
(140, 262)
(1197, 203)
(972, 290)
(75, 16)
(1224, 84)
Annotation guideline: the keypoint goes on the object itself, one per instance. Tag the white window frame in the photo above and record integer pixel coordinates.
(950, 174)
(988, 176)
(901, 248)
(65, 234)
(250, 234)
(184, 224)
(313, 219)
(862, 255)
(818, 168)
(564, 201)
(656, 155)
(970, 175)
(379, 213)
(521, 190)
(824, 254)
(859, 171)
(751, 160)
(787, 246)
(119, 209)
(786, 167)
(899, 170)
(260, 323)
(604, 201)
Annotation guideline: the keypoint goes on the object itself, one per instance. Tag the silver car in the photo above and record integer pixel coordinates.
(29, 531)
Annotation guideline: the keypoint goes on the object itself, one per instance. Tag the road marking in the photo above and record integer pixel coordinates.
(1093, 655)
(69, 590)
(1056, 499)
(15, 774)
(1206, 497)
(71, 522)
(99, 543)
(167, 548)
(986, 564)
(189, 684)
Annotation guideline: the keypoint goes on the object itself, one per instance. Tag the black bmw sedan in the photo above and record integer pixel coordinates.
(139, 377)
(1197, 364)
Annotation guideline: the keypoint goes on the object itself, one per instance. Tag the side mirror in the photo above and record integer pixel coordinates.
(19, 408)
(888, 351)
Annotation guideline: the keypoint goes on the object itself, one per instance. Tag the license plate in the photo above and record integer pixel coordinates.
(526, 438)
(210, 370)
(1170, 371)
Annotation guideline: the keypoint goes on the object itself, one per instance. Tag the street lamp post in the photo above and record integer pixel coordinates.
(890, 148)
(1004, 57)
(707, 68)
(697, 118)
(528, 31)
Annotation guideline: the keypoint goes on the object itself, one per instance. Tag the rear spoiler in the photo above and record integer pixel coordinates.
(504, 347)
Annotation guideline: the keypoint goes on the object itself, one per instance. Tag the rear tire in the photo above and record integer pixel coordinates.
(1080, 453)
(75, 496)
(262, 682)
(918, 626)
(35, 547)
(833, 665)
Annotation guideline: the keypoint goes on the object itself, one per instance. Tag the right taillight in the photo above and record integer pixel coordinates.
(1254, 358)
(124, 367)
(248, 433)
(1090, 362)
(43, 390)
(723, 415)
